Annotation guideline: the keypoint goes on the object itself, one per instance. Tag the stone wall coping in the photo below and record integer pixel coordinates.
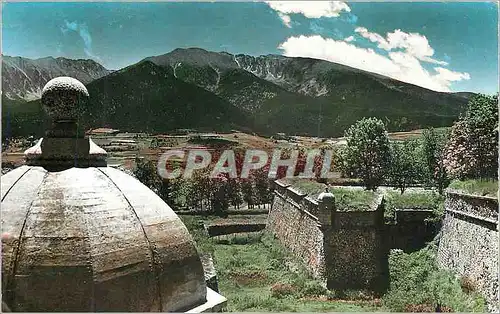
(310, 215)
(312, 200)
(476, 217)
(282, 184)
(296, 192)
(468, 195)
(379, 199)
(414, 210)
(298, 206)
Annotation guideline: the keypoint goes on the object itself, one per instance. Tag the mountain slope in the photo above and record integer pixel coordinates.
(147, 97)
(140, 98)
(195, 88)
(23, 78)
(316, 94)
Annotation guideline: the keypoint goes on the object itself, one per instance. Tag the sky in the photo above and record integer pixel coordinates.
(443, 46)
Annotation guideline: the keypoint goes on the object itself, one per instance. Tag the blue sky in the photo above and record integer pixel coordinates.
(447, 46)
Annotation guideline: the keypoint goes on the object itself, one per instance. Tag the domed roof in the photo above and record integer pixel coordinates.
(326, 195)
(79, 236)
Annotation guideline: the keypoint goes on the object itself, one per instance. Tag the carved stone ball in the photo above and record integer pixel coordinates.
(326, 196)
(63, 98)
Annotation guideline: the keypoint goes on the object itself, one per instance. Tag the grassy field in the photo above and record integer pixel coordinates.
(413, 200)
(477, 187)
(345, 198)
(256, 274)
(123, 155)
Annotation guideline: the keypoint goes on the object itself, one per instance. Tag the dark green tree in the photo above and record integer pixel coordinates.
(146, 172)
(367, 154)
(433, 145)
(406, 166)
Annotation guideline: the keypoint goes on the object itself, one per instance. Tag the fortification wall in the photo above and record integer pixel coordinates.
(343, 249)
(297, 229)
(355, 253)
(469, 242)
(411, 230)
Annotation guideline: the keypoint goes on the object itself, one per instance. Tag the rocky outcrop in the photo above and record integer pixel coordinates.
(23, 78)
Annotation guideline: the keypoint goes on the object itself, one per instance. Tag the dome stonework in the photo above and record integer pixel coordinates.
(63, 98)
(86, 237)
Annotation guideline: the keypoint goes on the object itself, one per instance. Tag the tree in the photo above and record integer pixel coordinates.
(405, 168)
(472, 151)
(234, 193)
(219, 200)
(367, 153)
(433, 145)
(145, 171)
(262, 186)
(248, 192)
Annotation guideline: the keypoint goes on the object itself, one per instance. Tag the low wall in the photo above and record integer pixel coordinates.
(230, 228)
(469, 242)
(411, 230)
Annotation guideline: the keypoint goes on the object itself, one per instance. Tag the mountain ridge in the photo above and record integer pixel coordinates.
(23, 78)
(275, 93)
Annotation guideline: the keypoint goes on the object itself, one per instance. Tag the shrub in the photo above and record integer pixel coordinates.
(467, 284)
(488, 187)
(367, 153)
(416, 281)
(281, 290)
(309, 287)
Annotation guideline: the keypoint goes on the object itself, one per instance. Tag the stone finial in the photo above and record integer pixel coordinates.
(326, 195)
(63, 98)
(326, 206)
(64, 146)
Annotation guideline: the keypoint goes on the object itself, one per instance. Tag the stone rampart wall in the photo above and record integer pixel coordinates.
(342, 249)
(469, 242)
(297, 229)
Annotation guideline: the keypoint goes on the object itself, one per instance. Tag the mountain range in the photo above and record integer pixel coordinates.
(198, 89)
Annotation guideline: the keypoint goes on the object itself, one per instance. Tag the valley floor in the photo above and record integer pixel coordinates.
(256, 274)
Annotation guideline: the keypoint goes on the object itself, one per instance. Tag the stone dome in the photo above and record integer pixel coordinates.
(79, 236)
(326, 195)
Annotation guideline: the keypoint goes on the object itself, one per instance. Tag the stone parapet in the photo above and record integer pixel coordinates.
(468, 243)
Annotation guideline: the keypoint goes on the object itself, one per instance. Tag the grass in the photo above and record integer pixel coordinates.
(413, 200)
(353, 200)
(345, 199)
(255, 273)
(483, 187)
(418, 283)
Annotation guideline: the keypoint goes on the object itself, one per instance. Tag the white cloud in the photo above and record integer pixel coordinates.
(413, 43)
(286, 19)
(349, 39)
(446, 76)
(310, 9)
(84, 33)
(400, 65)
